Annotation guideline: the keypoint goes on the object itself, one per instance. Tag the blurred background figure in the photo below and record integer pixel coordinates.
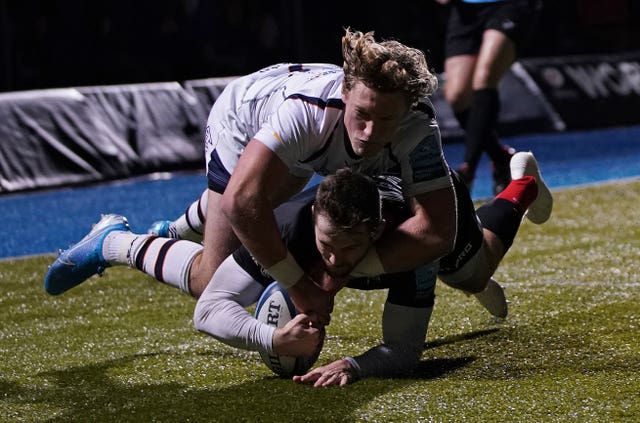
(482, 41)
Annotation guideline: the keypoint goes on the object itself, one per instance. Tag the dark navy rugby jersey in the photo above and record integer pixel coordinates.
(295, 221)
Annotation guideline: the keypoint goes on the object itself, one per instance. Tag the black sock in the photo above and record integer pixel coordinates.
(503, 218)
(463, 118)
(481, 127)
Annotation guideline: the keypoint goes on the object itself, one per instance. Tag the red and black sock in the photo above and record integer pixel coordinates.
(503, 215)
(522, 192)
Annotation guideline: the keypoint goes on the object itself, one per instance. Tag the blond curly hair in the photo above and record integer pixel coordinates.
(386, 66)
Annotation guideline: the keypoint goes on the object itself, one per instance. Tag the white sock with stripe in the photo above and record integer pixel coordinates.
(167, 260)
(190, 226)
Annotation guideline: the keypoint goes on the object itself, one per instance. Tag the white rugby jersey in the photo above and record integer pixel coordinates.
(297, 112)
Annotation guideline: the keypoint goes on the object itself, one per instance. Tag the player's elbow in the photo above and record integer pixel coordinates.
(439, 238)
(435, 218)
(201, 315)
(208, 317)
(446, 239)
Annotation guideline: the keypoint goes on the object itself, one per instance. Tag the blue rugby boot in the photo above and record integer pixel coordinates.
(84, 259)
(161, 228)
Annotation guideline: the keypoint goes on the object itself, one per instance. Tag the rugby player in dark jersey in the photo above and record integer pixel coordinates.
(329, 229)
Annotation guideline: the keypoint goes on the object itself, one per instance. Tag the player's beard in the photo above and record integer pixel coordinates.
(339, 272)
(337, 280)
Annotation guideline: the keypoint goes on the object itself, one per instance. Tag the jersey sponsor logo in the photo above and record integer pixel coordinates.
(508, 24)
(426, 160)
(463, 255)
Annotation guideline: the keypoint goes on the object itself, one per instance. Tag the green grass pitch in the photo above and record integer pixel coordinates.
(122, 347)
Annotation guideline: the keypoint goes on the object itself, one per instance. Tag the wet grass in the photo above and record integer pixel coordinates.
(122, 347)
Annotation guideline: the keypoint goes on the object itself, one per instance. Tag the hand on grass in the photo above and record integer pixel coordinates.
(340, 373)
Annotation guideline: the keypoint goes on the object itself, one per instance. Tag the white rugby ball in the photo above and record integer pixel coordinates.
(275, 308)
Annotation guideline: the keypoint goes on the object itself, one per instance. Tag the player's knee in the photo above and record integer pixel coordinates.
(475, 286)
(199, 276)
(471, 285)
(199, 316)
(459, 99)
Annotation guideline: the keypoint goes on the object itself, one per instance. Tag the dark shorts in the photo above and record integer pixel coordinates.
(469, 237)
(217, 175)
(468, 21)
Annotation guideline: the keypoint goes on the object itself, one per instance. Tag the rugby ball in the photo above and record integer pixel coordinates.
(275, 308)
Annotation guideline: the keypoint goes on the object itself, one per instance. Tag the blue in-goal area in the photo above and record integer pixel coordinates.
(43, 222)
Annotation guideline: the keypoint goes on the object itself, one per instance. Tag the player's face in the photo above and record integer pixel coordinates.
(340, 249)
(371, 117)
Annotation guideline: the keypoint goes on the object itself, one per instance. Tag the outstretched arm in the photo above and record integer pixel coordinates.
(220, 312)
(404, 331)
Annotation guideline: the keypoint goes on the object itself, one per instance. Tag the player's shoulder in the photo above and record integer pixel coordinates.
(288, 68)
(293, 75)
(295, 221)
(419, 122)
(288, 210)
(424, 108)
(318, 84)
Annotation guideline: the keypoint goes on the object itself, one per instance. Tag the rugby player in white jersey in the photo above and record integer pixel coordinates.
(271, 130)
(267, 134)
